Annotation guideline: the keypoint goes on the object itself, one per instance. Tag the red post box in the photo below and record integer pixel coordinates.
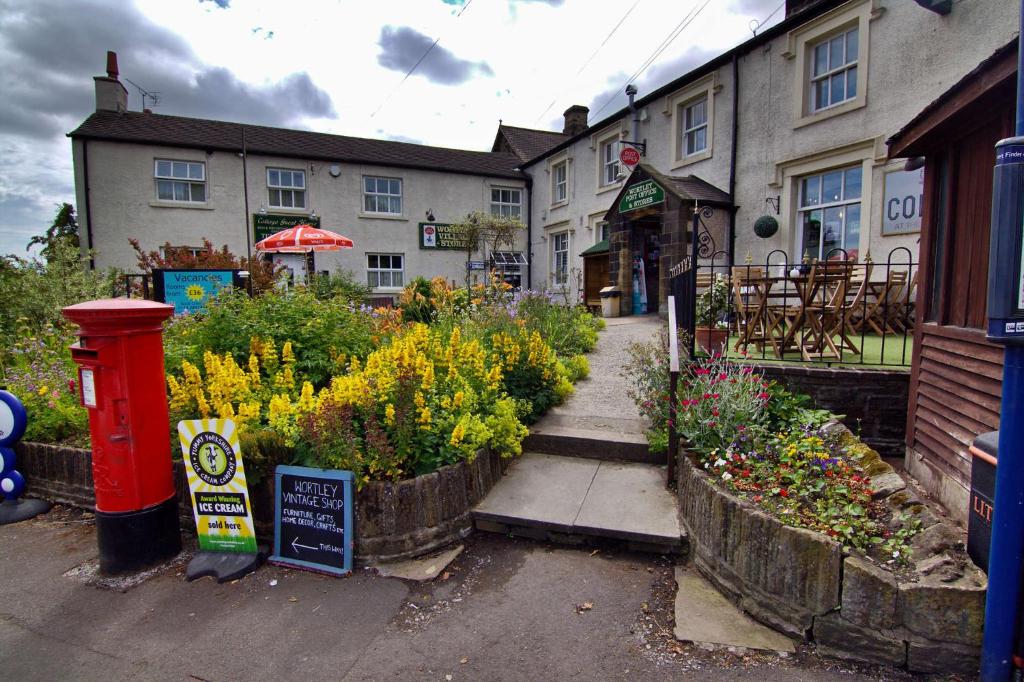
(121, 378)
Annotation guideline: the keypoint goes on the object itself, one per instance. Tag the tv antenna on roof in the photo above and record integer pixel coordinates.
(154, 97)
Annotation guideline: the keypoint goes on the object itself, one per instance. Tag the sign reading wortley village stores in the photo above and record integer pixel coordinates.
(441, 236)
(641, 195)
(216, 481)
(265, 225)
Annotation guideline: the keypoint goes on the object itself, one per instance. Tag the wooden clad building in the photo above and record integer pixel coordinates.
(956, 379)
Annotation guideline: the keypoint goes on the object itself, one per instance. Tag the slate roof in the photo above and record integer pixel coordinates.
(689, 187)
(180, 131)
(528, 143)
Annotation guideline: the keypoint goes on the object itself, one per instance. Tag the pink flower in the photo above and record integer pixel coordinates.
(711, 425)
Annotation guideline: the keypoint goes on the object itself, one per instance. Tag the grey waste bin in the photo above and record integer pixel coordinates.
(610, 301)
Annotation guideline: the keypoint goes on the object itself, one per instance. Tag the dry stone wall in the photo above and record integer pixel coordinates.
(393, 520)
(804, 584)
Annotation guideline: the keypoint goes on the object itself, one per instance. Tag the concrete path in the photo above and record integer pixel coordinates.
(599, 420)
(503, 610)
(584, 498)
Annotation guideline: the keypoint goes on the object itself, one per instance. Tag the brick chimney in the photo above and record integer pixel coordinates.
(575, 119)
(110, 94)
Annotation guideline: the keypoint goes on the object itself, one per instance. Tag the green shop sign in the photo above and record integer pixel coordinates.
(264, 225)
(641, 195)
(438, 236)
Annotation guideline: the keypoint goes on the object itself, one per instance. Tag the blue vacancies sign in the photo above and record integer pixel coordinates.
(313, 519)
(189, 290)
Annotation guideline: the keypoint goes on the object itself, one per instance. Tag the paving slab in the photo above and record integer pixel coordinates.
(630, 502)
(540, 491)
(704, 616)
(420, 568)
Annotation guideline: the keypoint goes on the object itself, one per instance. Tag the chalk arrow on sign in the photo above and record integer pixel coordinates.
(296, 544)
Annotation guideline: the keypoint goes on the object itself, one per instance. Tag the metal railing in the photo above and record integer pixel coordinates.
(829, 311)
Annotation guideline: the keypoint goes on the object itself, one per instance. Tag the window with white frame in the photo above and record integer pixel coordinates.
(560, 258)
(834, 70)
(602, 231)
(560, 182)
(180, 180)
(829, 213)
(694, 134)
(385, 270)
(609, 162)
(191, 251)
(507, 202)
(286, 188)
(382, 195)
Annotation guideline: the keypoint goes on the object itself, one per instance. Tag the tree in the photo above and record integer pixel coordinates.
(261, 273)
(490, 230)
(64, 230)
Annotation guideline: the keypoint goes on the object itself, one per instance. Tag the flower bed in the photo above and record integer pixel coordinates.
(806, 527)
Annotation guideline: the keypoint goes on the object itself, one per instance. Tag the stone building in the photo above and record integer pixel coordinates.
(792, 124)
(169, 179)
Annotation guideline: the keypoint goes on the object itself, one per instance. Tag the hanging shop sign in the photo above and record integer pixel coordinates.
(641, 195)
(313, 519)
(190, 290)
(629, 156)
(441, 236)
(904, 202)
(264, 225)
(217, 487)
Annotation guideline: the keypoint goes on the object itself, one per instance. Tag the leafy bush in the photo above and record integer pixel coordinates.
(262, 273)
(40, 372)
(324, 334)
(341, 284)
(416, 301)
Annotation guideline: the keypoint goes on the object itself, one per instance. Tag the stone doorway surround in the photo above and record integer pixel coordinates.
(675, 212)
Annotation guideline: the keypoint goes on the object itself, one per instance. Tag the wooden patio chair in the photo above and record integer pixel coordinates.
(860, 279)
(899, 318)
(755, 323)
(827, 309)
(885, 301)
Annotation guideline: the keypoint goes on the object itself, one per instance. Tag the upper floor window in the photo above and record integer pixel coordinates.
(506, 202)
(180, 180)
(560, 258)
(829, 212)
(382, 195)
(604, 231)
(609, 162)
(694, 135)
(560, 182)
(287, 188)
(834, 70)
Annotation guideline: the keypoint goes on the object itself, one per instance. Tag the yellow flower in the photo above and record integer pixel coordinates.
(43, 390)
(389, 414)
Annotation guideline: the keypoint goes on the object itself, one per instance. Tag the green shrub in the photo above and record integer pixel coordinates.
(341, 284)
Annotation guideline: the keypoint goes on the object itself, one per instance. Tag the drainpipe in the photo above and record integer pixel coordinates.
(732, 156)
(88, 204)
(529, 232)
(245, 194)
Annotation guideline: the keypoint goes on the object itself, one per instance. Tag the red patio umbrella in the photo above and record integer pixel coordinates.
(303, 239)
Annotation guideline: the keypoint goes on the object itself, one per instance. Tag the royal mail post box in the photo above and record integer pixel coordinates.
(121, 382)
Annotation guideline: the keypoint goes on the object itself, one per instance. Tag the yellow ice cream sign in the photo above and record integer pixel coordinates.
(216, 481)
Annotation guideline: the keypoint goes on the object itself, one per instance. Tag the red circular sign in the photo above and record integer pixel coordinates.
(629, 156)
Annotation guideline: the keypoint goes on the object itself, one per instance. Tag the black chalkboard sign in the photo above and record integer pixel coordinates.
(313, 519)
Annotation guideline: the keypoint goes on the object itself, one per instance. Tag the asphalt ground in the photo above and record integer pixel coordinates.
(506, 609)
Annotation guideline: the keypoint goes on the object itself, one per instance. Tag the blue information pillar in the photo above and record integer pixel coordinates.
(1006, 326)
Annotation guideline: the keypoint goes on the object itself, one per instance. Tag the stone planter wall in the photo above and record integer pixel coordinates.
(802, 583)
(393, 520)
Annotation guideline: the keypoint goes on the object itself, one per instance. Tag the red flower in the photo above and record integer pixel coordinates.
(711, 425)
(763, 396)
(757, 498)
(71, 385)
(706, 396)
(716, 396)
(784, 492)
(714, 412)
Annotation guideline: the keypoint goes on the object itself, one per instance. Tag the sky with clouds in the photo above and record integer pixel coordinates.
(337, 66)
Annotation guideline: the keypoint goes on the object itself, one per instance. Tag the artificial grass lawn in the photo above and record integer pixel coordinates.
(897, 353)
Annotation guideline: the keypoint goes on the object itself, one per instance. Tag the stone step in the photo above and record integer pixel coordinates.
(590, 443)
(580, 500)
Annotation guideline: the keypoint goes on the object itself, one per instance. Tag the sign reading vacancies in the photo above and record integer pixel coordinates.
(265, 225)
(641, 195)
(216, 482)
(189, 290)
(313, 519)
(441, 236)
(904, 202)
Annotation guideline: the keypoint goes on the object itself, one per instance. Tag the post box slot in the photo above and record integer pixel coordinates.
(79, 353)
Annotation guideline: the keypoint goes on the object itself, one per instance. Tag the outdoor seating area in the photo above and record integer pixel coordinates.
(833, 311)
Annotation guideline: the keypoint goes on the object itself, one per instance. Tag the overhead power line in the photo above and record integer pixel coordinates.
(594, 54)
(416, 65)
(675, 33)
